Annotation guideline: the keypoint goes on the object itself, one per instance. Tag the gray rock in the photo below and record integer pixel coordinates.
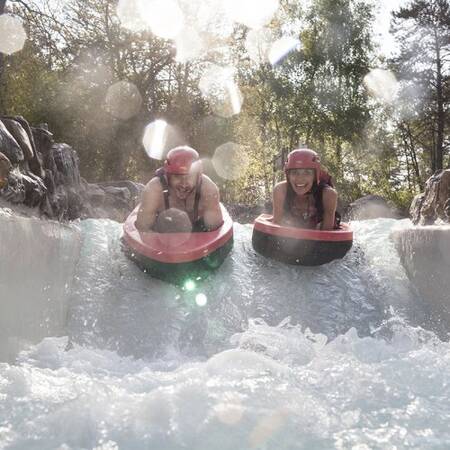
(5, 169)
(9, 146)
(425, 254)
(14, 191)
(21, 137)
(433, 204)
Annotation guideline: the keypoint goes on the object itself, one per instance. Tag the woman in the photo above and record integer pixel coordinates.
(307, 198)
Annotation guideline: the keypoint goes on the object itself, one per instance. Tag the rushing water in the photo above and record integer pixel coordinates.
(279, 357)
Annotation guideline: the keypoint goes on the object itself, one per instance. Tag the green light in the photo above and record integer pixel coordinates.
(189, 285)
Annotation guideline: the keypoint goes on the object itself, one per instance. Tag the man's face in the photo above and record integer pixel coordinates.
(183, 185)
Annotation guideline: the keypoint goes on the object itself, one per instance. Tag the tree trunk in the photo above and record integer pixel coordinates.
(438, 154)
(2, 66)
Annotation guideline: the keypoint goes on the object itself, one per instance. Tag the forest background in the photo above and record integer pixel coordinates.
(123, 81)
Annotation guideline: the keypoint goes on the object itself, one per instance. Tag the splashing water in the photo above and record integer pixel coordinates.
(279, 357)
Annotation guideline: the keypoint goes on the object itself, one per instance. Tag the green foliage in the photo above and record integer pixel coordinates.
(315, 97)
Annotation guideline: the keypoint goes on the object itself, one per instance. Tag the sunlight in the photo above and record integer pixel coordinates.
(382, 85)
(129, 14)
(164, 17)
(221, 91)
(12, 27)
(258, 44)
(189, 45)
(253, 13)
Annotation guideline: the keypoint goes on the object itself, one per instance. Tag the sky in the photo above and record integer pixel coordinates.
(382, 24)
(383, 16)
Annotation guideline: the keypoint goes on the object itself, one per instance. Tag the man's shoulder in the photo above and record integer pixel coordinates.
(153, 188)
(154, 184)
(208, 185)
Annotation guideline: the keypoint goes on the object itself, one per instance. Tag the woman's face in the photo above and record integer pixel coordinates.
(302, 180)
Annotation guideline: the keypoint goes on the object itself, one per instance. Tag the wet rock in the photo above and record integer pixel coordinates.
(35, 190)
(425, 254)
(433, 204)
(371, 207)
(14, 191)
(40, 173)
(111, 200)
(9, 146)
(5, 169)
(21, 137)
(67, 165)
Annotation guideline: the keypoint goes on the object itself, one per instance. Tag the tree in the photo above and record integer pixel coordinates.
(423, 30)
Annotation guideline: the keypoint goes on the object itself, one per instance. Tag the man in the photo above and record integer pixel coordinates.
(180, 198)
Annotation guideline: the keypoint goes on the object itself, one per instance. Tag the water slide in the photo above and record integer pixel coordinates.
(96, 354)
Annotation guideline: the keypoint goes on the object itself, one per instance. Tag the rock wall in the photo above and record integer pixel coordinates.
(39, 173)
(425, 254)
(433, 204)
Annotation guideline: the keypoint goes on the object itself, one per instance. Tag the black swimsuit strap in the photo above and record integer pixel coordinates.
(165, 187)
(198, 189)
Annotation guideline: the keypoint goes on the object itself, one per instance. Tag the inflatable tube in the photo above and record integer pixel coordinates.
(300, 246)
(178, 257)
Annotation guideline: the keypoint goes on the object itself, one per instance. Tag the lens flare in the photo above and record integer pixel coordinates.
(230, 161)
(129, 13)
(164, 17)
(12, 27)
(201, 299)
(155, 137)
(253, 13)
(189, 285)
(281, 48)
(219, 88)
(382, 85)
(123, 100)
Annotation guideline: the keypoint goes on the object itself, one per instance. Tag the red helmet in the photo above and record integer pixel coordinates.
(179, 160)
(303, 158)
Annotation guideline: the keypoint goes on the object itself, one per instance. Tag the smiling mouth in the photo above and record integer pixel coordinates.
(300, 185)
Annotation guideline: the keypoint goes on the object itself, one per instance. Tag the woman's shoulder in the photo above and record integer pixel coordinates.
(280, 187)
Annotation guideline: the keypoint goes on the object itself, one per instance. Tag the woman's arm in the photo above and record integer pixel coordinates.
(329, 201)
(278, 197)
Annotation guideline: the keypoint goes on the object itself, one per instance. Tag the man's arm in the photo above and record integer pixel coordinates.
(212, 214)
(329, 200)
(148, 210)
